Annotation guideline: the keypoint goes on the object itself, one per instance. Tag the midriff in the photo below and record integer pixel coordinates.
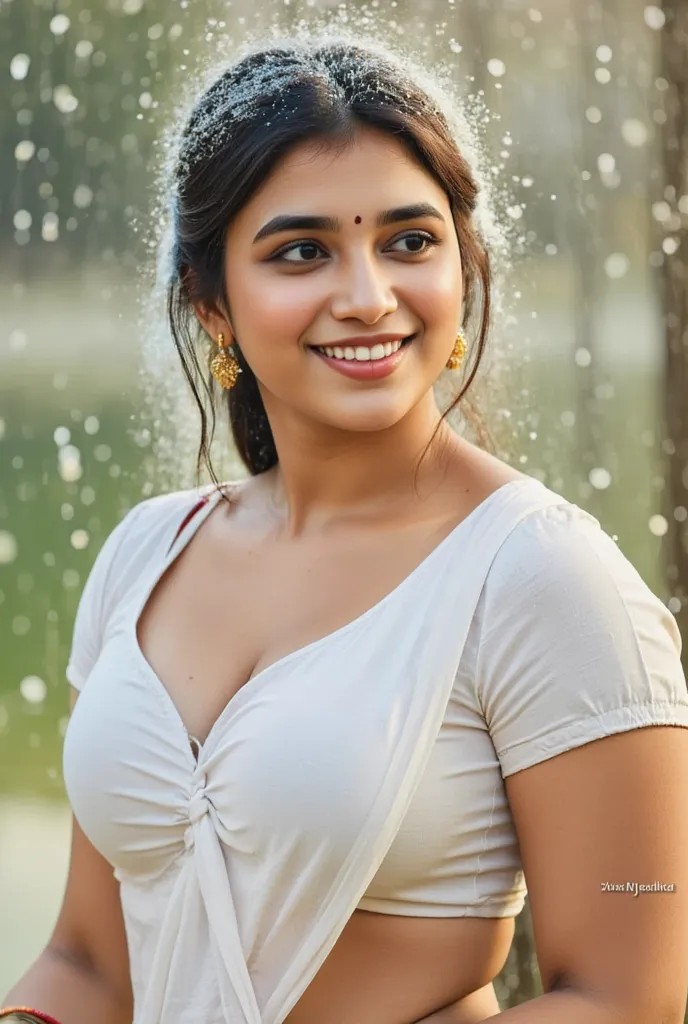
(388, 969)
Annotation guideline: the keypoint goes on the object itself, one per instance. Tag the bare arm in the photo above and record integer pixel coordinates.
(82, 975)
(610, 811)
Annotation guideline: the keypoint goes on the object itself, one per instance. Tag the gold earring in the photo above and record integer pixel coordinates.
(458, 352)
(225, 365)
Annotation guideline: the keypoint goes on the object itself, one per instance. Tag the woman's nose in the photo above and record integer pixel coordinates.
(364, 291)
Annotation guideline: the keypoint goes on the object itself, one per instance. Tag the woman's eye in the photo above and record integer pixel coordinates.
(294, 248)
(422, 241)
(422, 237)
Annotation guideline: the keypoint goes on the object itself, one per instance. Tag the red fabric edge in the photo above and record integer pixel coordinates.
(27, 1009)
(189, 516)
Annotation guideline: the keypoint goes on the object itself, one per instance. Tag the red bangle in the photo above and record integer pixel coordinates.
(27, 1009)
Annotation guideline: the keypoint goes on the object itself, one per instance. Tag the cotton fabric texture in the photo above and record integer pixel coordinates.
(365, 769)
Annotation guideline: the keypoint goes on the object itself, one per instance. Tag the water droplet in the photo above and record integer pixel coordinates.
(661, 211)
(497, 68)
(64, 99)
(8, 547)
(83, 197)
(61, 436)
(33, 689)
(102, 452)
(634, 132)
(21, 625)
(658, 525)
(69, 463)
(50, 229)
(70, 579)
(654, 17)
(616, 265)
(22, 220)
(79, 539)
(59, 24)
(24, 150)
(19, 66)
(600, 478)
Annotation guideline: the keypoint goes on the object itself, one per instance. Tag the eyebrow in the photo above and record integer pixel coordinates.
(304, 222)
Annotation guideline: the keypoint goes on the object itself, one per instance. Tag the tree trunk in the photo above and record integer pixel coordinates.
(674, 279)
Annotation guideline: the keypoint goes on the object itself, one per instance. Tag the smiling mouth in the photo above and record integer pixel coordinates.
(394, 347)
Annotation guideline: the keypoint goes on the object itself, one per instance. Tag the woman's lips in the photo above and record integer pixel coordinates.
(367, 369)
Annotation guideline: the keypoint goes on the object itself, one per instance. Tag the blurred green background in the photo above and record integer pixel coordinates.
(93, 415)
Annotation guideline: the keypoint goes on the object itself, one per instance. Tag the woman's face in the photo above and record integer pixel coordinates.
(297, 287)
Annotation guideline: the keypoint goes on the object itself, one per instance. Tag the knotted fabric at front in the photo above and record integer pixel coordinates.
(201, 891)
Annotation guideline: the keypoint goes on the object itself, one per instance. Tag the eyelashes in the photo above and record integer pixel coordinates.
(427, 237)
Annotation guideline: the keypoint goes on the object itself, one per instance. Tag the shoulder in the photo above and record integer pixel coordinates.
(559, 558)
(573, 644)
(141, 525)
(150, 519)
(138, 541)
(140, 538)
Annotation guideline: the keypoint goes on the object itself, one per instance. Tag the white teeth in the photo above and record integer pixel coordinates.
(361, 352)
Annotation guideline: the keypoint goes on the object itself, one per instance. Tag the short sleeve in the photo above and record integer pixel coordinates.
(574, 645)
(90, 615)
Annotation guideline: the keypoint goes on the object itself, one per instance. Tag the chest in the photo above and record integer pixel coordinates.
(234, 603)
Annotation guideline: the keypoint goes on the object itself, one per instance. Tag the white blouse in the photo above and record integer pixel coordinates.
(363, 770)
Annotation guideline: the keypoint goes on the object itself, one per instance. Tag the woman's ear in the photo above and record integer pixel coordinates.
(211, 323)
(209, 317)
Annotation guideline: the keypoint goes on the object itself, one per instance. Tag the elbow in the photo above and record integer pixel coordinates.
(625, 1007)
(643, 1012)
(115, 990)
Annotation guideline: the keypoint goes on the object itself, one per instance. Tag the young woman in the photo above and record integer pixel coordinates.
(333, 718)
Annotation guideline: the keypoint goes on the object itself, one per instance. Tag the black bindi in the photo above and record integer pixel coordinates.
(357, 220)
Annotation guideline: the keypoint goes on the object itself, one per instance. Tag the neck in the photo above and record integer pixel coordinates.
(358, 477)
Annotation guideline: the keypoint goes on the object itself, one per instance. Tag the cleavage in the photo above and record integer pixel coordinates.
(223, 614)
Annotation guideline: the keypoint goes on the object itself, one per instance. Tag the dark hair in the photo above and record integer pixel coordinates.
(249, 118)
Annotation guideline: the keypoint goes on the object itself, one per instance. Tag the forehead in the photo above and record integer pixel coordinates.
(374, 172)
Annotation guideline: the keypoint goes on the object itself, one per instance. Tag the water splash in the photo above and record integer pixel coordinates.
(169, 407)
